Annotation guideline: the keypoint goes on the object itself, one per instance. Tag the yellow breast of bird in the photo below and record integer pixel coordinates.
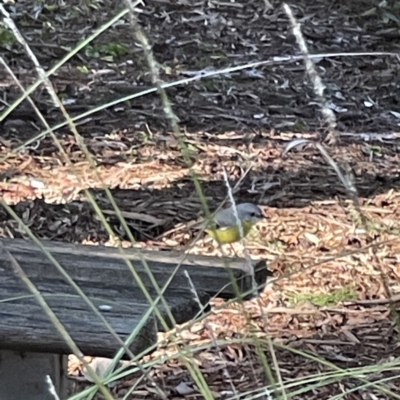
(229, 234)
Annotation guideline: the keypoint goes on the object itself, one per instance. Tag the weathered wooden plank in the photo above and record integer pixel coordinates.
(24, 326)
(23, 375)
(104, 277)
(96, 264)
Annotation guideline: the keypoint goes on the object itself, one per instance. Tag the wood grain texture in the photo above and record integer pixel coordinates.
(104, 277)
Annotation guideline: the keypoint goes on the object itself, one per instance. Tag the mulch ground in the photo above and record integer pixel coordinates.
(314, 241)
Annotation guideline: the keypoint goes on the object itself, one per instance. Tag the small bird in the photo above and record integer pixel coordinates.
(225, 228)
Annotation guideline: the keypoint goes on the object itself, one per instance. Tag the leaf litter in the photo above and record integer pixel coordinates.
(239, 121)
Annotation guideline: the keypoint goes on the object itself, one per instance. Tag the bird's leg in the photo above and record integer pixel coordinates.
(234, 252)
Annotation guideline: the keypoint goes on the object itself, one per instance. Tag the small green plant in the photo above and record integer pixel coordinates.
(301, 126)
(372, 151)
(7, 39)
(385, 11)
(324, 299)
(107, 51)
(83, 69)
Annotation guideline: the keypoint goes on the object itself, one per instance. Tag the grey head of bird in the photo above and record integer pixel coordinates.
(248, 212)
